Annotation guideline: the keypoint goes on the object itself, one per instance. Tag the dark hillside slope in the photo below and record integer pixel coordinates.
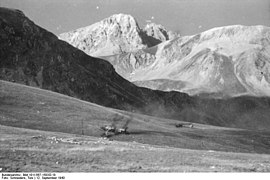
(33, 56)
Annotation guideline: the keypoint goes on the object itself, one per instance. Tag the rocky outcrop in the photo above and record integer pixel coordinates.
(157, 33)
(114, 35)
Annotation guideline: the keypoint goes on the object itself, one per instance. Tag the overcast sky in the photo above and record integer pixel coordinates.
(186, 16)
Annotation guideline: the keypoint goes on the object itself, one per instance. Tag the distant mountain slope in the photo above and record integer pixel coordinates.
(33, 56)
(225, 61)
(117, 34)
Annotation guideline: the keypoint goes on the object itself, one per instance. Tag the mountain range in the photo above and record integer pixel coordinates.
(33, 56)
(221, 62)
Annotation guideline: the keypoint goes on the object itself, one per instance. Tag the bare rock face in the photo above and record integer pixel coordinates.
(223, 62)
(159, 32)
(116, 34)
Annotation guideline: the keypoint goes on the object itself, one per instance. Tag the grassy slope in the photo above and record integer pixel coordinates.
(27, 107)
(39, 151)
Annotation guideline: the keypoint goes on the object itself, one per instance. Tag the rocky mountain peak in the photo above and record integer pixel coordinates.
(159, 32)
(123, 19)
(120, 24)
(116, 34)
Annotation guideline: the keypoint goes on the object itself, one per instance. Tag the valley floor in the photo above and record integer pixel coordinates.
(24, 150)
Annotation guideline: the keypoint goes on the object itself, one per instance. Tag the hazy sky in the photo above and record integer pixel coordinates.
(186, 16)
